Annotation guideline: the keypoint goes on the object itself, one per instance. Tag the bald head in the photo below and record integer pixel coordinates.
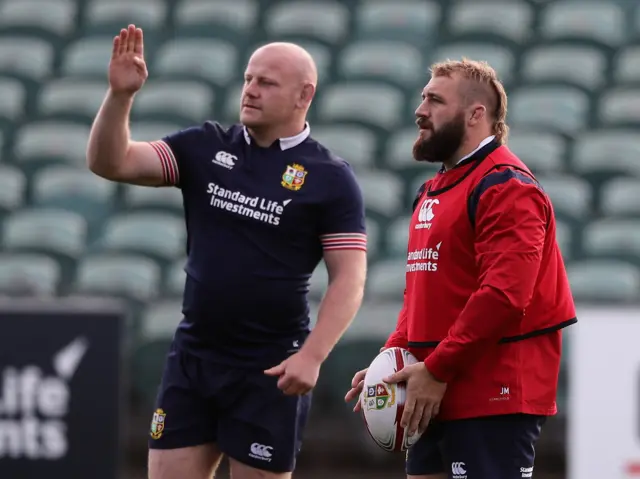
(290, 59)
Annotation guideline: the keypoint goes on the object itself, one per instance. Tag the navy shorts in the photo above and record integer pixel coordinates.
(240, 410)
(493, 447)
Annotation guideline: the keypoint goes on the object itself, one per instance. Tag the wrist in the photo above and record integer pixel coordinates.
(123, 97)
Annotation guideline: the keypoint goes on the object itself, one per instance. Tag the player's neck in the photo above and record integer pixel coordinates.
(265, 137)
(468, 147)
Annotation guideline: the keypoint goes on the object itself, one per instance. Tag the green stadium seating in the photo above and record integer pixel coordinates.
(355, 144)
(326, 21)
(386, 280)
(72, 97)
(582, 66)
(158, 199)
(175, 278)
(12, 99)
(87, 57)
(501, 58)
(621, 197)
(153, 130)
(561, 108)
(55, 17)
(509, 19)
(571, 196)
(184, 102)
(382, 191)
(620, 106)
(26, 56)
(602, 280)
(397, 237)
(542, 151)
(159, 236)
(602, 21)
(13, 185)
(231, 19)
(626, 65)
(607, 151)
(28, 274)
(107, 16)
(413, 21)
(74, 189)
(612, 237)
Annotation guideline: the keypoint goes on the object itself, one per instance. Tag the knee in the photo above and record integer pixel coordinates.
(243, 471)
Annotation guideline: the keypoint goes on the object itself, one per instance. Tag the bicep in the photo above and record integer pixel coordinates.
(346, 264)
(148, 164)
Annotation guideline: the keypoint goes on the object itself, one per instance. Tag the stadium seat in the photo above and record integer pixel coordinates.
(374, 323)
(612, 237)
(398, 237)
(53, 231)
(74, 189)
(499, 57)
(175, 278)
(600, 21)
(13, 97)
(231, 19)
(112, 15)
(131, 277)
(56, 17)
(619, 106)
(28, 275)
(599, 280)
(160, 236)
(51, 142)
(543, 152)
(509, 19)
(190, 102)
(615, 151)
(153, 130)
(370, 103)
(159, 199)
(620, 197)
(413, 21)
(383, 192)
(230, 112)
(583, 66)
(570, 195)
(374, 238)
(87, 57)
(326, 21)
(209, 59)
(13, 185)
(399, 144)
(159, 321)
(390, 61)
(564, 109)
(29, 57)
(564, 237)
(355, 144)
(626, 65)
(386, 280)
(72, 96)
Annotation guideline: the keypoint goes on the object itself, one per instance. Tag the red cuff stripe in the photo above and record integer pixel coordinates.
(168, 160)
(344, 241)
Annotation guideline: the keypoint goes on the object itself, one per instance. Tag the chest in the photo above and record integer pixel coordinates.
(255, 191)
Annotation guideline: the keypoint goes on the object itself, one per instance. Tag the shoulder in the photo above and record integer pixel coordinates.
(207, 131)
(321, 159)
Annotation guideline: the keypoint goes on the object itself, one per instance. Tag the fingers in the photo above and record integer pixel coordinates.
(131, 38)
(358, 378)
(354, 392)
(427, 414)
(396, 377)
(276, 370)
(138, 47)
(416, 418)
(122, 47)
(116, 46)
(407, 414)
(357, 407)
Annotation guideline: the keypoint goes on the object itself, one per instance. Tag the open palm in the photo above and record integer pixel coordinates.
(127, 68)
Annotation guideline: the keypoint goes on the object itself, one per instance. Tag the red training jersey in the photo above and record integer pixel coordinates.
(486, 288)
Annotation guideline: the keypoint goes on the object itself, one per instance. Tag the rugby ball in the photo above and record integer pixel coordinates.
(383, 404)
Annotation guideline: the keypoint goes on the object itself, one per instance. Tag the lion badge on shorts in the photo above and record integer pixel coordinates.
(157, 424)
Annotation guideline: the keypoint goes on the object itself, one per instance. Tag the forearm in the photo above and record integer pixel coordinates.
(109, 137)
(337, 309)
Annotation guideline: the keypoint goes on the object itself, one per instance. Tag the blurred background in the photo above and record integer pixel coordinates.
(572, 73)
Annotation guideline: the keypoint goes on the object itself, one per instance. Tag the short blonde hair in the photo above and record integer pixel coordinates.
(485, 76)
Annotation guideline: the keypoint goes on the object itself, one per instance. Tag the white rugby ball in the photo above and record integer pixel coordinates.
(383, 404)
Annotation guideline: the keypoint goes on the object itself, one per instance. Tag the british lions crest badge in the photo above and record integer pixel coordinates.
(293, 177)
(157, 424)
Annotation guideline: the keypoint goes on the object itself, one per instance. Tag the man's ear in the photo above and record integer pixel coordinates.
(478, 113)
(306, 95)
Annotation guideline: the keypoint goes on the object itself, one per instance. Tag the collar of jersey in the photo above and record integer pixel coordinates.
(285, 143)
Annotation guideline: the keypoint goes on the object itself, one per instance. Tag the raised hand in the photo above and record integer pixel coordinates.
(127, 68)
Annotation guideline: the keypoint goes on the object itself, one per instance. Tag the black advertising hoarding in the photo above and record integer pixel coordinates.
(61, 389)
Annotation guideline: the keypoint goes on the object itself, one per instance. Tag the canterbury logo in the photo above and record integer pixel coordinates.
(426, 210)
(458, 470)
(227, 160)
(260, 451)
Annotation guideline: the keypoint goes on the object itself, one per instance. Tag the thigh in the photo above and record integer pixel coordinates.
(183, 416)
(196, 462)
(500, 447)
(424, 458)
(263, 428)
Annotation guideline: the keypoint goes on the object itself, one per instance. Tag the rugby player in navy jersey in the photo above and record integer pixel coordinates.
(264, 204)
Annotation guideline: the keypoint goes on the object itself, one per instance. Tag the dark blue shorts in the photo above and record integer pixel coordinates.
(494, 447)
(240, 410)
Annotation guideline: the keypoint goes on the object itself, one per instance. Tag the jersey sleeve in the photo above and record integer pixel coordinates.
(342, 216)
(510, 215)
(173, 152)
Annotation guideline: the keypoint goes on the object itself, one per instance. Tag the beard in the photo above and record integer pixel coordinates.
(443, 142)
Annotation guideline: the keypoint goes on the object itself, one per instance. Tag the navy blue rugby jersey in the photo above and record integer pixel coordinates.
(258, 220)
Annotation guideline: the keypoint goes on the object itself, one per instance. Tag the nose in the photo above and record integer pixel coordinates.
(250, 89)
(422, 111)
